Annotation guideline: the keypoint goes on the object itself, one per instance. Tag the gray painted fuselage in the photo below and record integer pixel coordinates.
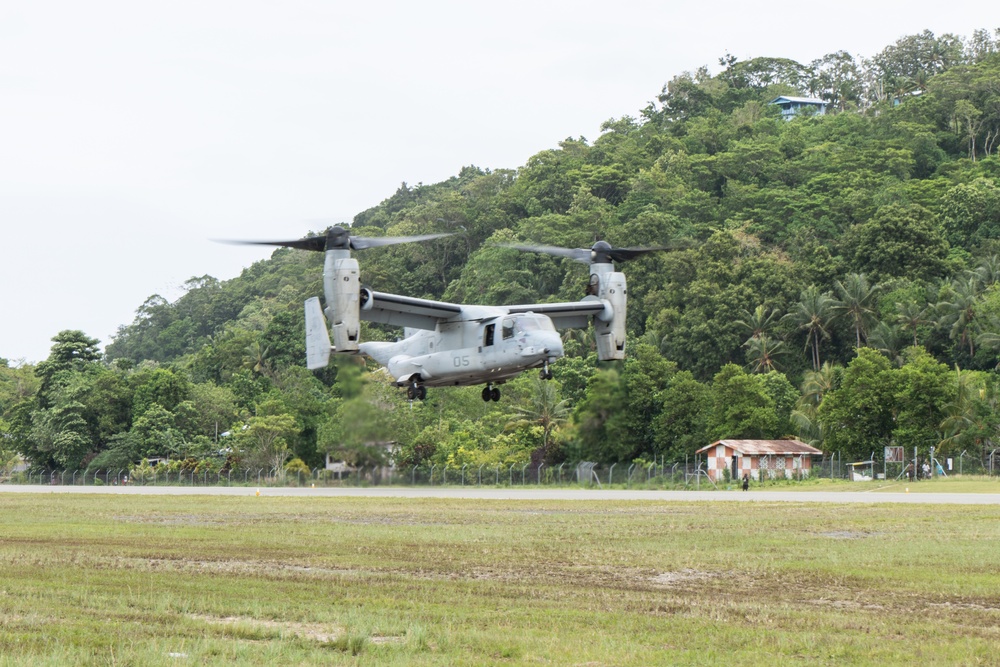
(482, 345)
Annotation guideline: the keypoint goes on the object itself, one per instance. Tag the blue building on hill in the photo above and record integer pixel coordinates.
(790, 106)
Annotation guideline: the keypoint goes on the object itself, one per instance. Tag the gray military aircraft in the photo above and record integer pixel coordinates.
(449, 344)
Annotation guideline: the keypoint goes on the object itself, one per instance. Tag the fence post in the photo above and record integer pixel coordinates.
(560, 472)
(464, 466)
(523, 468)
(480, 475)
(512, 475)
(611, 472)
(539, 472)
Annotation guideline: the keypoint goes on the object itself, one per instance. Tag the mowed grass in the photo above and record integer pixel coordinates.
(137, 580)
(953, 484)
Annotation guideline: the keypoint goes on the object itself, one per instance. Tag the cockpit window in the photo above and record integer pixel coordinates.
(527, 324)
(508, 328)
(533, 322)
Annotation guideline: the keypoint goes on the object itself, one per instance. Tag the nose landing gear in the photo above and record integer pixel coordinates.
(491, 393)
(546, 372)
(416, 391)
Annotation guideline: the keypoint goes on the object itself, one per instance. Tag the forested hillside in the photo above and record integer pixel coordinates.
(839, 284)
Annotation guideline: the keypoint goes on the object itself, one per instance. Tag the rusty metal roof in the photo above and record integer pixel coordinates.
(766, 447)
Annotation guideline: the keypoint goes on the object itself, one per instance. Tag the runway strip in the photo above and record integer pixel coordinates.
(474, 493)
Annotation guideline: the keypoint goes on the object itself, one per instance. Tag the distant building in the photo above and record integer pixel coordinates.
(760, 459)
(791, 106)
(339, 467)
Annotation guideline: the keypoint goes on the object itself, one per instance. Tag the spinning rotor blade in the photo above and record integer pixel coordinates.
(361, 242)
(600, 253)
(624, 254)
(317, 243)
(576, 254)
(338, 238)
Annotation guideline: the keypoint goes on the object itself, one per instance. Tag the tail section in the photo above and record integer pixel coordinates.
(317, 336)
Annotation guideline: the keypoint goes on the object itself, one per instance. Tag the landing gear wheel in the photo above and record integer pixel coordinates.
(422, 392)
(486, 393)
(545, 373)
(411, 392)
(494, 394)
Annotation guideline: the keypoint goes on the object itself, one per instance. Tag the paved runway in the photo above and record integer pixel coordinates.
(475, 493)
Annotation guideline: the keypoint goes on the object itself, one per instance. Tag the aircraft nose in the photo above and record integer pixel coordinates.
(553, 344)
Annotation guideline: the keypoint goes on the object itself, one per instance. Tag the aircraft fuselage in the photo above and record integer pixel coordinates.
(486, 350)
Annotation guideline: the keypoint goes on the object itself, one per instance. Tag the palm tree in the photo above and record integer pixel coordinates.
(989, 338)
(889, 341)
(988, 271)
(544, 409)
(912, 316)
(858, 301)
(257, 359)
(809, 429)
(759, 322)
(762, 353)
(816, 384)
(957, 310)
(813, 313)
(960, 412)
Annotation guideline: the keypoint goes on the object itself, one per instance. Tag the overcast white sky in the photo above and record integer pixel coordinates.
(131, 133)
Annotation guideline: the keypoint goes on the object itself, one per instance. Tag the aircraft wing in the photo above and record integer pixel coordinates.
(565, 314)
(407, 311)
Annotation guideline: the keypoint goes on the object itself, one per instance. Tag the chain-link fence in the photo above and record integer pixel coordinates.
(680, 475)
(586, 474)
(919, 467)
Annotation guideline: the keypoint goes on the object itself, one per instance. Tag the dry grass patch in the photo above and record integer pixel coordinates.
(398, 581)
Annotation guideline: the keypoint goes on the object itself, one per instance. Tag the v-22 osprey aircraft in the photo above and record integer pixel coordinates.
(449, 344)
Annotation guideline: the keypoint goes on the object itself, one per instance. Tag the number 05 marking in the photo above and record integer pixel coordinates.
(461, 361)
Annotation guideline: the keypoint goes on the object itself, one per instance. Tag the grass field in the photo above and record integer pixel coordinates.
(134, 580)
(956, 484)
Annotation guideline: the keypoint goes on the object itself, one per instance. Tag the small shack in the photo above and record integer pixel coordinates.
(792, 106)
(760, 459)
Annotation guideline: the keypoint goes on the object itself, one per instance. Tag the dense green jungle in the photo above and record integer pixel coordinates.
(837, 279)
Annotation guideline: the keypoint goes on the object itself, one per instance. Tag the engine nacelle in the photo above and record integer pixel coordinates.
(342, 289)
(609, 326)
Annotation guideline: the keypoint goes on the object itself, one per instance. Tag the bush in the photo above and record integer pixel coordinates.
(296, 466)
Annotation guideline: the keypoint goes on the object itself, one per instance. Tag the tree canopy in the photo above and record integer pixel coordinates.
(835, 268)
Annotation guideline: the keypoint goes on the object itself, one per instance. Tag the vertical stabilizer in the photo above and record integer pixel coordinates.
(317, 336)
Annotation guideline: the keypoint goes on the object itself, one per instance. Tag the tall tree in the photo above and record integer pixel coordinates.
(813, 314)
(957, 312)
(544, 409)
(857, 303)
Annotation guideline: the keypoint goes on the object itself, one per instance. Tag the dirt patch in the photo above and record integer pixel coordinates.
(845, 604)
(846, 534)
(319, 632)
(244, 567)
(684, 576)
(964, 605)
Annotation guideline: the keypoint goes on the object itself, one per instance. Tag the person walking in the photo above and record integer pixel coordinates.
(746, 481)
